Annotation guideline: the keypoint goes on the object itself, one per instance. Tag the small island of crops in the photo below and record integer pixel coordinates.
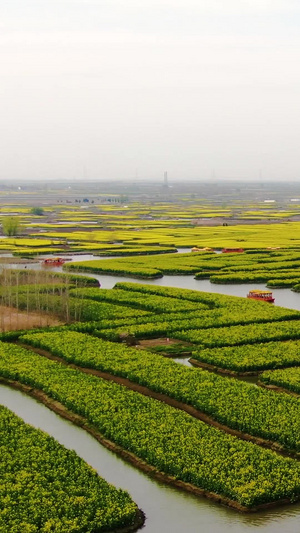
(45, 487)
(280, 269)
(287, 379)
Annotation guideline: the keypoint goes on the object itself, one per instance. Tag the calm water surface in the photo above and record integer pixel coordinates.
(283, 297)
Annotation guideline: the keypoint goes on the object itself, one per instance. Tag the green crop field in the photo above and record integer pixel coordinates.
(184, 448)
(169, 440)
(110, 360)
(45, 487)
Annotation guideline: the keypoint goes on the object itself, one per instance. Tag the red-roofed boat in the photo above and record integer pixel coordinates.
(264, 296)
(232, 250)
(53, 261)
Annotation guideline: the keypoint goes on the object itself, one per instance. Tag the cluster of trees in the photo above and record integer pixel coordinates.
(11, 226)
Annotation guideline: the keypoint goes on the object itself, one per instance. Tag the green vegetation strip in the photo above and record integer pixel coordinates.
(150, 302)
(259, 267)
(249, 357)
(226, 304)
(138, 250)
(243, 334)
(115, 268)
(72, 308)
(217, 334)
(238, 405)
(21, 277)
(45, 487)
(166, 438)
(209, 310)
(211, 299)
(166, 324)
(287, 379)
(296, 288)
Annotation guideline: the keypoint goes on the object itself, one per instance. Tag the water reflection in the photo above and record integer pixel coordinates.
(183, 360)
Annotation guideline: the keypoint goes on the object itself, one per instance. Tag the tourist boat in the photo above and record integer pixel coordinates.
(206, 249)
(232, 250)
(53, 261)
(264, 296)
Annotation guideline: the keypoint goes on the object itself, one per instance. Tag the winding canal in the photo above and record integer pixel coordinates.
(283, 297)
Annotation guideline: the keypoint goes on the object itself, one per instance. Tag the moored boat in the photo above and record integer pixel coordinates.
(206, 249)
(232, 250)
(53, 261)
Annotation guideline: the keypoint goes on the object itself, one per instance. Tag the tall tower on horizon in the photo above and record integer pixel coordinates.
(166, 179)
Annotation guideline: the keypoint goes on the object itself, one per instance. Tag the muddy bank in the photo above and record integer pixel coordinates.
(219, 370)
(276, 388)
(17, 260)
(148, 344)
(11, 319)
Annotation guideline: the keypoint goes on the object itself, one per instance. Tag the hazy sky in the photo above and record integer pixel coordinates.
(115, 89)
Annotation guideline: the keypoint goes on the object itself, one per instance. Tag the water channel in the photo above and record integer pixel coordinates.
(283, 297)
(167, 510)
